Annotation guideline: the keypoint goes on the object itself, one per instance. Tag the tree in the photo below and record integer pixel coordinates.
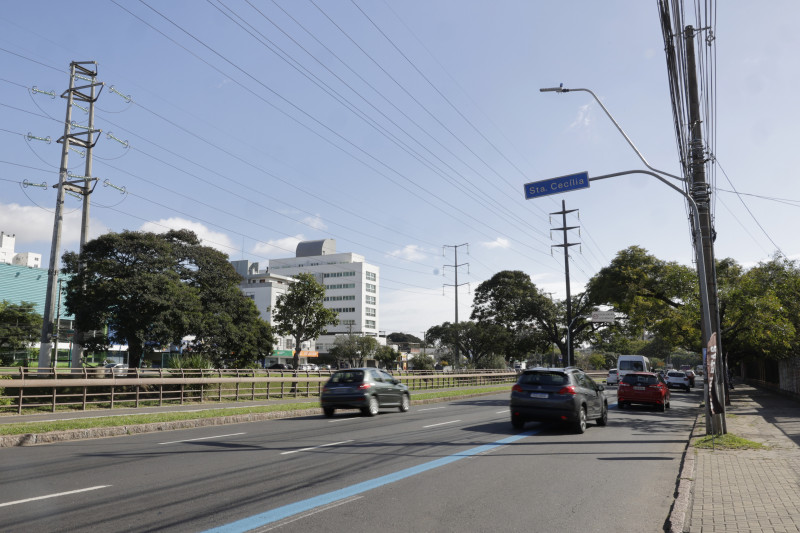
(422, 362)
(153, 290)
(19, 326)
(300, 313)
(479, 342)
(354, 349)
(387, 357)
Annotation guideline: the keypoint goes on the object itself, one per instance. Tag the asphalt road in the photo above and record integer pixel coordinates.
(455, 466)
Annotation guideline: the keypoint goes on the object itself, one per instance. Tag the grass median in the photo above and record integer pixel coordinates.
(150, 418)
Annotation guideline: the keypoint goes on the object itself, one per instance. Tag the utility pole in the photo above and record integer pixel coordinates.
(564, 228)
(456, 266)
(84, 139)
(698, 188)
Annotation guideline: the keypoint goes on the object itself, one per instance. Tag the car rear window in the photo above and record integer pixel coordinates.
(349, 376)
(639, 379)
(544, 378)
(676, 374)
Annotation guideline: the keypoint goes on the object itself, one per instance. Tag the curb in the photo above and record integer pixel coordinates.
(33, 439)
(681, 513)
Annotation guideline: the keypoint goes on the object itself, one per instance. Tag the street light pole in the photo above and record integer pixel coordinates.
(715, 423)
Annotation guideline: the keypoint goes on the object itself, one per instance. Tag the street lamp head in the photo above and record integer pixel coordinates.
(559, 89)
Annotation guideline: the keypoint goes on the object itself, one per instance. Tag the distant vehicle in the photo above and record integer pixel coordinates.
(690, 374)
(678, 379)
(279, 366)
(699, 370)
(558, 394)
(613, 377)
(632, 363)
(643, 387)
(117, 369)
(367, 389)
(519, 367)
(308, 368)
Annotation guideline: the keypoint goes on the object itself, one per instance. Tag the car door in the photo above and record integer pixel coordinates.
(393, 388)
(594, 396)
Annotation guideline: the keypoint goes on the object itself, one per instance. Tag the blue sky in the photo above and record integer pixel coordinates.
(397, 128)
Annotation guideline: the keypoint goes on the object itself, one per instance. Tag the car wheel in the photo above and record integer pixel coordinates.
(662, 406)
(688, 388)
(621, 405)
(517, 422)
(667, 404)
(580, 423)
(405, 403)
(603, 420)
(328, 411)
(372, 406)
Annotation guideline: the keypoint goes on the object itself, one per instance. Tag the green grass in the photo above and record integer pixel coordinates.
(727, 442)
(151, 418)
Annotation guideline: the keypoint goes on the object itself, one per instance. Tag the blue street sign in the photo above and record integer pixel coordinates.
(567, 183)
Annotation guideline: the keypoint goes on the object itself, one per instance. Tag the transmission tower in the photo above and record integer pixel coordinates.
(564, 228)
(83, 185)
(456, 266)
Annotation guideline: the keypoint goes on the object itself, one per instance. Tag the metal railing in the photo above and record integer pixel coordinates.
(108, 388)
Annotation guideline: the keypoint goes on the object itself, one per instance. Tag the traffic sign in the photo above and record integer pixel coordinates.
(603, 316)
(561, 184)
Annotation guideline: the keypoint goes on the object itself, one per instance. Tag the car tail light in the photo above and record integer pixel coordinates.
(569, 389)
(622, 385)
(517, 388)
(365, 386)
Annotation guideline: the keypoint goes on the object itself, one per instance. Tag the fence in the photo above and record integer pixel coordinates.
(109, 388)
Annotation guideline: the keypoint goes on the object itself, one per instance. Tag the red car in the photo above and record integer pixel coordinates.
(645, 388)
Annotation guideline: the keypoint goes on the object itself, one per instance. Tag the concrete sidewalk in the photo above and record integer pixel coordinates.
(746, 490)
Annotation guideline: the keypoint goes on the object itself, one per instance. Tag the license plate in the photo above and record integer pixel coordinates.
(638, 388)
(342, 390)
(539, 395)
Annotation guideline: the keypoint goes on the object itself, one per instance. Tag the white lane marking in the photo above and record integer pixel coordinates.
(56, 495)
(502, 412)
(304, 515)
(429, 409)
(315, 447)
(203, 438)
(441, 424)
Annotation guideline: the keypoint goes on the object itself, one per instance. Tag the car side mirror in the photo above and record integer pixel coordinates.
(601, 387)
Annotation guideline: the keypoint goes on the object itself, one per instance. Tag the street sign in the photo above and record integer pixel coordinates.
(561, 184)
(603, 316)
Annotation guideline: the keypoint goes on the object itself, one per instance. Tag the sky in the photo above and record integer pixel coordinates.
(406, 131)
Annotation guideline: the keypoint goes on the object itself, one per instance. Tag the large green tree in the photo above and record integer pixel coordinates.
(19, 326)
(301, 314)
(153, 290)
(533, 321)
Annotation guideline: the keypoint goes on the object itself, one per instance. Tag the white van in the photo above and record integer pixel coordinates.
(632, 363)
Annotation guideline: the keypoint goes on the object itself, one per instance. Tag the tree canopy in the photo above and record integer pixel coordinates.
(301, 314)
(153, 290)
(20, 325)
(353, 349)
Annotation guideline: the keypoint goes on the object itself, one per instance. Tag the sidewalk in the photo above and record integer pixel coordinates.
(747, 490)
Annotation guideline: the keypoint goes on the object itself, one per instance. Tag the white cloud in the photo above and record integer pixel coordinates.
(583, 118)
(499, 242)
(412, 252)
(315, 222)
(33, 226)
(279, 248)
(214, 239)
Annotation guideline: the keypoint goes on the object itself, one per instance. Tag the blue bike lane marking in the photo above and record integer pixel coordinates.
(286, 511)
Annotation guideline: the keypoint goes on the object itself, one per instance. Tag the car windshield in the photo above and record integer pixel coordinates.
(639, 379)
(676, 374)
(544, 378)
(349, 376)
(631, 365)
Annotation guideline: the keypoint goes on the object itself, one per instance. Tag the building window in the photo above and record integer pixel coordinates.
(371, 288)
(344, 309)
(371, 276)
(340, 286)
(338, 298)
(371, 300)
(348, 322)
(370, 311)
(369, 324)
(338, 274)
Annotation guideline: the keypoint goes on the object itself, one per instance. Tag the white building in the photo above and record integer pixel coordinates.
(8, 256)
(352, 287)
